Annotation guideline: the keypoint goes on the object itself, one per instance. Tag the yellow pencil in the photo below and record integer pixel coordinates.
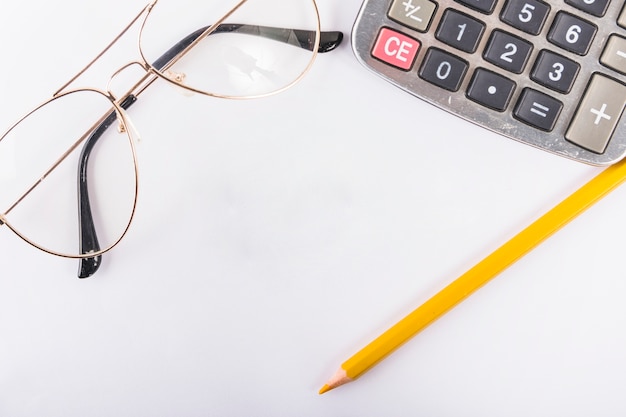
(478, 275)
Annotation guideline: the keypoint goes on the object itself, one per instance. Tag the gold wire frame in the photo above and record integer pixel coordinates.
(124, 124)
(163, 74)
(151, 75)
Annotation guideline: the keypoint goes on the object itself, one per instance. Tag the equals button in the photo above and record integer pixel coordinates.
(537, 109)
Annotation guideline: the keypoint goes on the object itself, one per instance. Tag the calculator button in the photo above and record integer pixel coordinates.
(415, 14)
(537, 109)
(598, 114)
(621, 20)
(490, 89)
(443, 69)
(555, 71)
(460, 31)
(594, 7)
(614, 54)
(507, 51)
(484, 6)
(395, 49)
(526, 15)
(572, 33)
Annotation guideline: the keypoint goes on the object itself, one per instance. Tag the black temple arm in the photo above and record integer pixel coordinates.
(329, 40)
(88, 236)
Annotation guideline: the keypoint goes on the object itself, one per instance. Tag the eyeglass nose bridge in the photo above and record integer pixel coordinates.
(142, 83)
(136, 88)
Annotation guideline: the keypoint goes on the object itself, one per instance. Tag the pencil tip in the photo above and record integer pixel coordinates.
(340, 378)
(325, 388)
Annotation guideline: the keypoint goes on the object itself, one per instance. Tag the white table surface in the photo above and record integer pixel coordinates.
(276, 237)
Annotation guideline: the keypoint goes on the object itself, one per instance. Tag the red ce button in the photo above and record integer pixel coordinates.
(395, 49)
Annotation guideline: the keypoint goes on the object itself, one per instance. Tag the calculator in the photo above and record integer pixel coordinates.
(548, 74)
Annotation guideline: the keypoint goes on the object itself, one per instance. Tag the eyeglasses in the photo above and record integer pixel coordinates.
(221, 48)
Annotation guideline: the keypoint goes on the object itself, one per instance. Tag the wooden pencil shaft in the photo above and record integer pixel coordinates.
(486, 270)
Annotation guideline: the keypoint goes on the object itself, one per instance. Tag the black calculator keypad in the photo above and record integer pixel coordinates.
(507, 51)
(483, 6)
(538, 109)
(548, 73)
(460, 31)
(594, 7)
(572, 33)
(490, 89)
(526, 15)
(555, 71)
(443, 69)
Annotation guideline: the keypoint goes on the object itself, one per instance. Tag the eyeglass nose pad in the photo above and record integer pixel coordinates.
(178, 77)
(126, 125)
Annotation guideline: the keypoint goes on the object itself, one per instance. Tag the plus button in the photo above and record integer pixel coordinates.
(600, 114)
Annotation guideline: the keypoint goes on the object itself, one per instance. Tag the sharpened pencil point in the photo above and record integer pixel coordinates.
(325, 388)
(340, 378)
